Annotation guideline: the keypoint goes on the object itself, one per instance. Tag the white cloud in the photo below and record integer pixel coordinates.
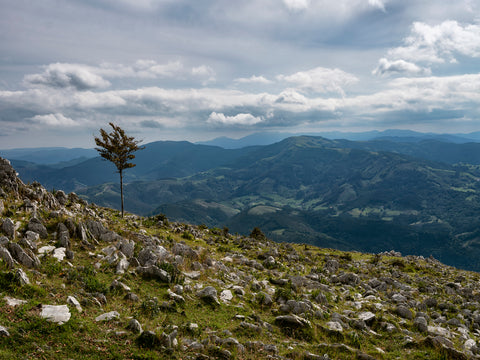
(54, 120)
(296, 5)
(239, 119)
(399, 66)
(321, 80)
(438, 43)
(253, 80)
(377, 4)
(61, 75)
(205, 72)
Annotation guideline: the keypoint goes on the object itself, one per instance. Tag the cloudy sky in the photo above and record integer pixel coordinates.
(198, 69)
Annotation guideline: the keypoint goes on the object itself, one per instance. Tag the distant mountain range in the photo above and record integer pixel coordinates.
(418, 197)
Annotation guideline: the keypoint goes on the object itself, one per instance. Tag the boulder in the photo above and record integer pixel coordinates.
(36, 226)
(404, 312)
(134, 326)
(6, 257)
(108, 316)
(21, 277)
(59, 314)
(209, 295)
(292, 322)
(8, 228)
(154, 272)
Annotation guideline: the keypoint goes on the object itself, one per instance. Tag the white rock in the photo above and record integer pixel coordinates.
(4, 331)
(59, 314)
(73, 301)
(59, 253)
(439, 331)
(226, 296)
(334, 326)
(366, 316)
(108, 316)
(46, 249)
(14, 302)
(469, 344)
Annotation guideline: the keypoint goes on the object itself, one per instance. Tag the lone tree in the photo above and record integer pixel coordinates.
(118, 148)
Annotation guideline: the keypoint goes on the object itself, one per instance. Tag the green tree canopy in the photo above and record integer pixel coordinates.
(118, 148)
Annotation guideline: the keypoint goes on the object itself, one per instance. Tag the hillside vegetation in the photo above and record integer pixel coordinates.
(77, 281)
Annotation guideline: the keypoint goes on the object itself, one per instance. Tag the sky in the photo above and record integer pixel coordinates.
(199, 69)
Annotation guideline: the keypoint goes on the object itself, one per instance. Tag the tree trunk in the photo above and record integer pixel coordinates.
(121, 188)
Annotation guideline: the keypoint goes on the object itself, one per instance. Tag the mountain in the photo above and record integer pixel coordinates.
(48, 156)
(327, 194)
(268, 138)
(163, 159)
(79, 281)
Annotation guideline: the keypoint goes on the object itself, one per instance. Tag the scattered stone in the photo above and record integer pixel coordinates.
(6, 257)
(368, 317)
(4, 332)
(122, 266)
(134, 326)
(292, 321)
(108, 316)
(73, 301)
(421, 324)
(59, 253)
(59, 314)
(404, 312)
(25, 257)
(226, 296)
(119, 286)
(14, 302)
(36, 226)
(334, 326)
(209, 295)
(21, 277)
(8, 228)
(154, 272)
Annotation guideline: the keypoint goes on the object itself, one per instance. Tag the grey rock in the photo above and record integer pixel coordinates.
(334, 326)
(155, 272)
(127, 247)
(209, 295)
(21, 277)
(32, 236)
(404, 312)
(226, 296)
(292, 321)
(108, 316)
(4, 332)
(151, 254)
(421, 324)
(184, 250)
(249, 326)
(6, 257)
(134, 326)
(332, 266)
(8, 228)
(264, 299)
(349, 279)
(74, 302)
(95, 228)
(122, 266)
(59, 314)
(119, 286)
(368, 317)
(14, 302)
(132, 297)
(61, 197)
(36, 226)
(24, 257)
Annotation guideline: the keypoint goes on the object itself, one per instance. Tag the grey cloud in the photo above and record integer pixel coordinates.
(75, 76)
(151, 124)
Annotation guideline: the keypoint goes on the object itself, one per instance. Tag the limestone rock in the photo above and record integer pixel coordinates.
(292, 321)
(4, 332)
(226, 296)
(73, 301)
(59, 314)
(134, 326)
(155, 272)
(8, 228)
(14, 302)
(7, 257)
(209, 295)
(108, 316)
(21, 277)
(36, 226)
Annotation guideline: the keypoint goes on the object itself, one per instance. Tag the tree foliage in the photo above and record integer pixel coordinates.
(117, 148)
